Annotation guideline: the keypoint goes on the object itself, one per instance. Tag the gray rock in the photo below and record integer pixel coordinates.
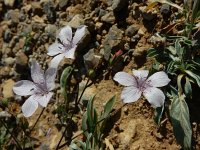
(9, 3)
(9, 61)
(7, 35)
(49, 10)
(13, 15)
(36, 8)
(76, 21)
(165, 9)
(102, 12)
(50, 30)
(117, 5)
(132, 30)
(63, 3)
(91, 59)
(147, 15)
(113, 41)
(108, 17)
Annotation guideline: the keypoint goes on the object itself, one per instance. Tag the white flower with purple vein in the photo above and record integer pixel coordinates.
(139, 84)
(66, 45)
(39, 90)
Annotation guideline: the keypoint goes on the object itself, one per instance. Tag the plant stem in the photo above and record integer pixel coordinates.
(37, 119)
(78, 101)
(15, 139)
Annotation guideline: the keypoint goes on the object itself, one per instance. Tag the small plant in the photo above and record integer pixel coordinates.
(93, 127)
(181, 63)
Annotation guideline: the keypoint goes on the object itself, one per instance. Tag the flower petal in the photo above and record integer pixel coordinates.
(43, 100)
(141, 74)
(130, 94)
(158, 79)
(29, 107)
(56, 60)
(65, 35)
(50, 76)
(155, 96)
(125, 79)
(70, 53)
(80, 32)
(37, 73)
(24, 88)
(55, 49)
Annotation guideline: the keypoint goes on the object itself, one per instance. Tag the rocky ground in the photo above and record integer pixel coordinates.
(27, 28)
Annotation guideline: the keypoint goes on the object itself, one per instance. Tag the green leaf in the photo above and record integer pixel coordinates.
(152, 52)
(188, 87)
(179, 114)
(73, 146)
(108, 107)
(195, 10)
(63, 81)
(92, 116)
(194, 76)
(171, 68)
(84, 124)
(158, 114)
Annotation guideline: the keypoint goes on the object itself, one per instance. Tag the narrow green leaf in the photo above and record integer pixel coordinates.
(63, 81)
(158, 114)
(91, 115)
(108, 107)
(152, 52)
(195, 10)
(194, 76)
(188, 87)
(84, 124)
(179, 114)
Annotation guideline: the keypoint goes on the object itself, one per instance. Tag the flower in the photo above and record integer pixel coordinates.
(39, 89)
(139, 83)
(66, 45)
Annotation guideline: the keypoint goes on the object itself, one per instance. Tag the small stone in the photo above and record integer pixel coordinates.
(165, 9)
(49, 10)
(21, 60)
(7, 88)
(91, 59)
(113, 41)
(7, 35)
(50, 30)
(9, 61)
(9, 3)
(132, 30)
(36, 8)
(38, 19)
(76, 21)
(63, 3)
(13, 15)
(117, 5)
(108, 18)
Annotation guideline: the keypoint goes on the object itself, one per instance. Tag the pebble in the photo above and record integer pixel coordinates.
(7, 35)
(50, 30)
(63, 3)
(13, 15)
(9, 61)
(108, 18)
(7, 88)
(76, 21)
(117, 5)
(36, 8)
(49, 10)
(132, 30)
(9, 3)
(112, 41)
